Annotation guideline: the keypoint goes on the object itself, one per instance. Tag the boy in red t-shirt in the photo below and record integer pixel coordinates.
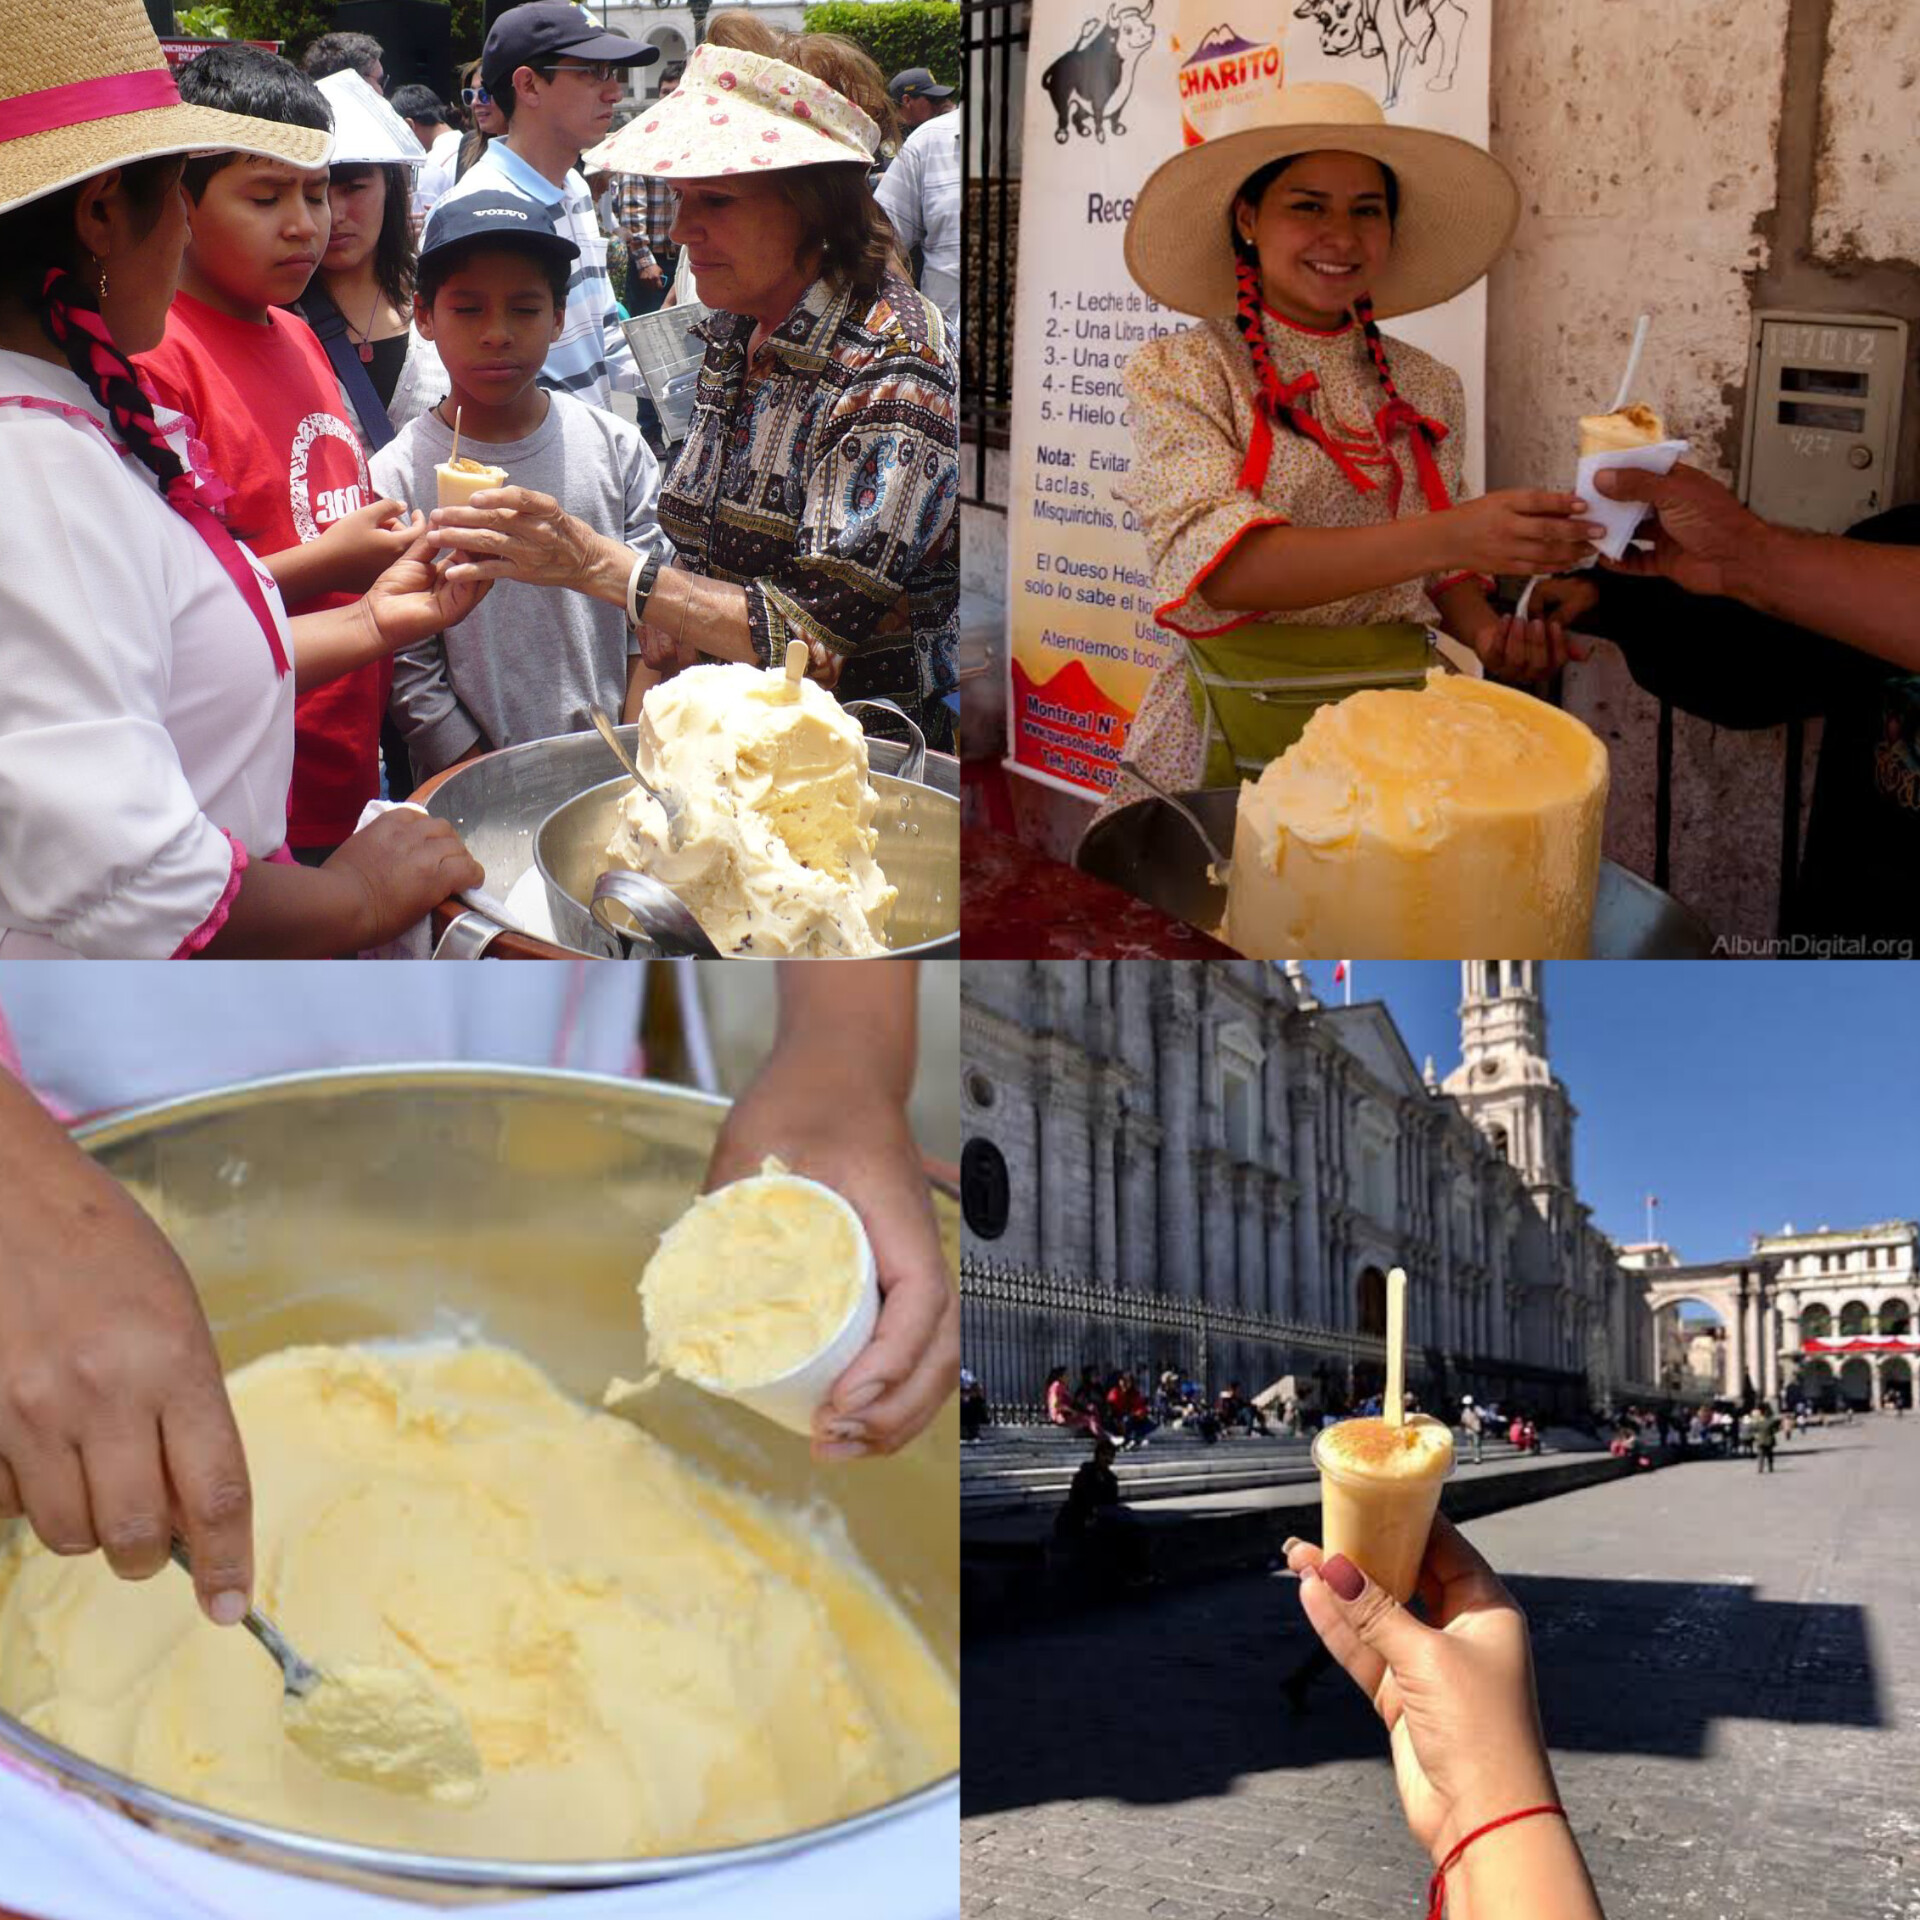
(267, 405)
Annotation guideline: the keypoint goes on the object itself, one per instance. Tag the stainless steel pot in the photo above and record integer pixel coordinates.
(500, 803)
(1146, 849)
(518, 1206)
(919, 852)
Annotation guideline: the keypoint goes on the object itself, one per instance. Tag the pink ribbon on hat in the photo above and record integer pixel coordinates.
(83, 100)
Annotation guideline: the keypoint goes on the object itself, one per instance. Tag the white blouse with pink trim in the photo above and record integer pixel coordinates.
(145, 737)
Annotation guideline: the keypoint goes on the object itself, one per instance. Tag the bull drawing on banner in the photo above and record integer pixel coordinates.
(1430, 31)
(1090, 85)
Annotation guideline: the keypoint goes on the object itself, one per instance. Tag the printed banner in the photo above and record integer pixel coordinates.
(1113, 92)
(179, 52)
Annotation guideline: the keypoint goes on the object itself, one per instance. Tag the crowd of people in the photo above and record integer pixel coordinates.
(244, 313)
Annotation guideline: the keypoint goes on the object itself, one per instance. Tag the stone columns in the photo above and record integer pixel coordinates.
(1176, 1101)
(1309, 1282)
(1281, 1301)
(1770, 1352)
(1251, 1279)
(1106, 1193)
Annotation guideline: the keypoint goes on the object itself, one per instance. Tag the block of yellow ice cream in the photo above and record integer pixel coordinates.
(1634, 426)
(1464, 818)
(778, 853)
(460, 479)
(764, 1290)
(650, 1660)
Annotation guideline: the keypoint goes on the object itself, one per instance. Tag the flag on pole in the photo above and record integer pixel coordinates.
(1343, 970)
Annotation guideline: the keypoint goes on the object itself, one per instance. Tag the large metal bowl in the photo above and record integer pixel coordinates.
(919, 852)
(500, 804)
(512, 1205)
(1146, 849)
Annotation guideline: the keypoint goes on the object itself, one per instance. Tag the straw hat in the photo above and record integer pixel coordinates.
(1458, 204)
(366, 130)
(86, 88)
(736, 112)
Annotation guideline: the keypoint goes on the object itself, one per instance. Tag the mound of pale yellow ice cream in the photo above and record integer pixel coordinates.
(778, 854)
(1634, 426)
(650, 1661)
(1464, 818)
(752, 1281)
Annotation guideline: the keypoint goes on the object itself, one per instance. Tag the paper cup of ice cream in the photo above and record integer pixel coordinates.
(763, 1291)
(1634, 437)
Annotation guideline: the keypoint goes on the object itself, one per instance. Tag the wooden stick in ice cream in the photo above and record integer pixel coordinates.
(453, 459)
(1396, 1407)
(796, 667)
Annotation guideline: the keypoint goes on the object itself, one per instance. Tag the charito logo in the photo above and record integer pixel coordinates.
(1224, 65)
(1090, 85)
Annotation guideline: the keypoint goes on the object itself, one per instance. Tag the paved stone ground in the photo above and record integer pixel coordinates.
(1730, 1679)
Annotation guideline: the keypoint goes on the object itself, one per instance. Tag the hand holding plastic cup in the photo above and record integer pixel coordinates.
(1380, 1479)
(763, 1291)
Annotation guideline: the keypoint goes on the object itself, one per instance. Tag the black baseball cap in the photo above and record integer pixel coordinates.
(494, 216)
(916, 83)
(536, 34)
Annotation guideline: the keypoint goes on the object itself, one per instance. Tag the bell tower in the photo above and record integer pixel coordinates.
(1504, 1081)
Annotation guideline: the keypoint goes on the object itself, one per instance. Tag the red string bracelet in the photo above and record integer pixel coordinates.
(1437, 1886)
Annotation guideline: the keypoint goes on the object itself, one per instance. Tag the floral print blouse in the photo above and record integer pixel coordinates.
(827, 485)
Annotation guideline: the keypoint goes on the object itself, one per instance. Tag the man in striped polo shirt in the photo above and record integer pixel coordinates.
(557, 77)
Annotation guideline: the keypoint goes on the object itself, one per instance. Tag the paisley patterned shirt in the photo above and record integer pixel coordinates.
(827, 486)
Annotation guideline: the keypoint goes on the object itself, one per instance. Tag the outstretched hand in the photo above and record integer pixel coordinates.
(1702, 535)
(412, 600)
(1455, 1695)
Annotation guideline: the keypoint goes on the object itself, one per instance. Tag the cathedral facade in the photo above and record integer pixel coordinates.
(1201, 1167)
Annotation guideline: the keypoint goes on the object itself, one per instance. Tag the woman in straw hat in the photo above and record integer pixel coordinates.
(1296, 471)
(146, 660)
(814, 497)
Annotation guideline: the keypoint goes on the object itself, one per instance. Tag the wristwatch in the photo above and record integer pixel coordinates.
(640, 587)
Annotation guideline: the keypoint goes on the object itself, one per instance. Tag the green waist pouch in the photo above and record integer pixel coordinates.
(1255, 687)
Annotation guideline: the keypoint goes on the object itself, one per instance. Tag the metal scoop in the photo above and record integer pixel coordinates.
(382, 1726)
(671, 801)
(637, 908)
(299, 1677)
(1221, 860)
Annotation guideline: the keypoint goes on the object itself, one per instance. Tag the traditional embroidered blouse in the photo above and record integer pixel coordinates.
(1194, 421)
(828, 488)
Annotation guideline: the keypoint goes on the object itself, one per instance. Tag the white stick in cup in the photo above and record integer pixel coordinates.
(796, 666)
(763, 1291)
(1396, 1407)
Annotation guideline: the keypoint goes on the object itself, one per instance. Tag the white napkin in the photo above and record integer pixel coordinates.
(64, 1857)
(1621, 518)
(417, 942)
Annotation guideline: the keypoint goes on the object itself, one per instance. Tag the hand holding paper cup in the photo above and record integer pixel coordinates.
(1632, 436)
(763, 1290)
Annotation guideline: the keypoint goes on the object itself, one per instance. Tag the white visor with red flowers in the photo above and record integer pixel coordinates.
(739, 112)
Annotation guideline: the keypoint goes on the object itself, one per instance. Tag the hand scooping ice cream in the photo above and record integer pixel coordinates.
(379, 1725)
(763, 1290)
(776, 857)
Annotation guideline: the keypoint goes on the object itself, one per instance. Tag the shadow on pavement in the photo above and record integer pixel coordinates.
(1173, 1697)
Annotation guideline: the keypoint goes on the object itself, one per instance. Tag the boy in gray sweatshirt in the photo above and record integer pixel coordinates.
(490, 293)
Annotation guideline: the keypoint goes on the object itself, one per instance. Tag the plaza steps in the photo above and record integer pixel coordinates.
(1010, 1468)
(1011, 1573)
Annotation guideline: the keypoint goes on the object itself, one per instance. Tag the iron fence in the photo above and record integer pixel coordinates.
(994, 48)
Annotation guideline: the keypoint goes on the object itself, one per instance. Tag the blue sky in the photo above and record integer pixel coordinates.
(1744, 1094)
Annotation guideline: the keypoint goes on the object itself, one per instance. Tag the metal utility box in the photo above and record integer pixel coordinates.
(1823, 417)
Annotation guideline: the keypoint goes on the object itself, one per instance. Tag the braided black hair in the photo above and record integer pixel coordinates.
(44, 270)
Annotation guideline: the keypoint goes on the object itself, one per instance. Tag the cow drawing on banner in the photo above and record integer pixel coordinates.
(1430, 31)
(1090, 85)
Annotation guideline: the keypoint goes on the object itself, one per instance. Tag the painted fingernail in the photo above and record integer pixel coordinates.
(846, 1430)
(225, 1609)
(862, 1396)
(1343, 1577)
(843, 1450)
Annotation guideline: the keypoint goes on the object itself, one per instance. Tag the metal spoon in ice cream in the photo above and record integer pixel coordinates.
(671, 801)
(382, 1726)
